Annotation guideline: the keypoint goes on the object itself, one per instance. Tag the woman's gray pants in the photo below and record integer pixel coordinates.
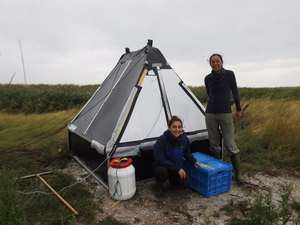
(225, 122)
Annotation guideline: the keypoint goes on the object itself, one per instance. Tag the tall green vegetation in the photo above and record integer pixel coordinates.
(50, 98)
(268, 134)
(272, 93)
(254, 93)
(43, 98)
(32, 144)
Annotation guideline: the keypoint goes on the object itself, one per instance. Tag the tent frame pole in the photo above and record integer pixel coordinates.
(104, 184)
(164, 94)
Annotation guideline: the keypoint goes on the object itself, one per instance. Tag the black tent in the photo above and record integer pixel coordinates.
(130, 110)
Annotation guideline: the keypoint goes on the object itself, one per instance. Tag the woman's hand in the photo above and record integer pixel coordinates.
(238, 115)
(197, 164)
(182, 174)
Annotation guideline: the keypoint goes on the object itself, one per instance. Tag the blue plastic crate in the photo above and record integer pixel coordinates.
(214, 177)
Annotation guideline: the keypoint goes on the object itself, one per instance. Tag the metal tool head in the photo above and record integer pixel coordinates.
(36, 175)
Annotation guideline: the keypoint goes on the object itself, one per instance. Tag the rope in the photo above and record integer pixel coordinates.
(23, 144)
(118, 184)
(32, 141)
(149, 131)
(47, 193)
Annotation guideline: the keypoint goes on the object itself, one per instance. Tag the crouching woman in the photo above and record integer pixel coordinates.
(169, 151)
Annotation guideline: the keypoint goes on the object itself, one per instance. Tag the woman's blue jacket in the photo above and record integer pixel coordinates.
(170, 151)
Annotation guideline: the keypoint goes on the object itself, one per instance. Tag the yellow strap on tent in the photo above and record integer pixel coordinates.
(142, 77)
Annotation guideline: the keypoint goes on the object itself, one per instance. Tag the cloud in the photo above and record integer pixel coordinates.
(80, 43)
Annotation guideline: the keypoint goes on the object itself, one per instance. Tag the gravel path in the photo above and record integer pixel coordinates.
(181, 206)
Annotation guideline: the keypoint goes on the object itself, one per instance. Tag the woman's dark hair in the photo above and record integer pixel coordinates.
(215, 54)
(174, 119)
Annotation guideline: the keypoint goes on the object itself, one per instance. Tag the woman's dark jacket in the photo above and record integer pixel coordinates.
(170, 151)
(218, 91)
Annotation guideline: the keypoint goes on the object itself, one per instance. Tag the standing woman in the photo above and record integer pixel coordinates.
(219, 84)
(169, 150)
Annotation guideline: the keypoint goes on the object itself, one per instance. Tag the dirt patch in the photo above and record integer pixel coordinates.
(180, 206)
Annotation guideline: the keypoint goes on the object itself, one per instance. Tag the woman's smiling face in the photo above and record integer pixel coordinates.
(176, 129)
(216, 64)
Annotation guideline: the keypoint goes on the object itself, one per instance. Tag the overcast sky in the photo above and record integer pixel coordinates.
(79, 42)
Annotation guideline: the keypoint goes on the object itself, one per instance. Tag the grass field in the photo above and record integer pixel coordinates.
(35, 140)
(268, 135)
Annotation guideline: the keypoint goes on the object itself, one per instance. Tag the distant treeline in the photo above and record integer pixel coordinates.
(248, 93)
(43, 98)
(50, 98)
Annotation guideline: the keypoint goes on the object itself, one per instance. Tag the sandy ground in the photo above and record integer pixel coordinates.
(181, 206)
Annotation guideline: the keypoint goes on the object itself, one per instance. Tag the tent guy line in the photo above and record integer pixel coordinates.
(104, 97)
(91, 173)
(107, 96)
(50, 193)
(30, 142)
